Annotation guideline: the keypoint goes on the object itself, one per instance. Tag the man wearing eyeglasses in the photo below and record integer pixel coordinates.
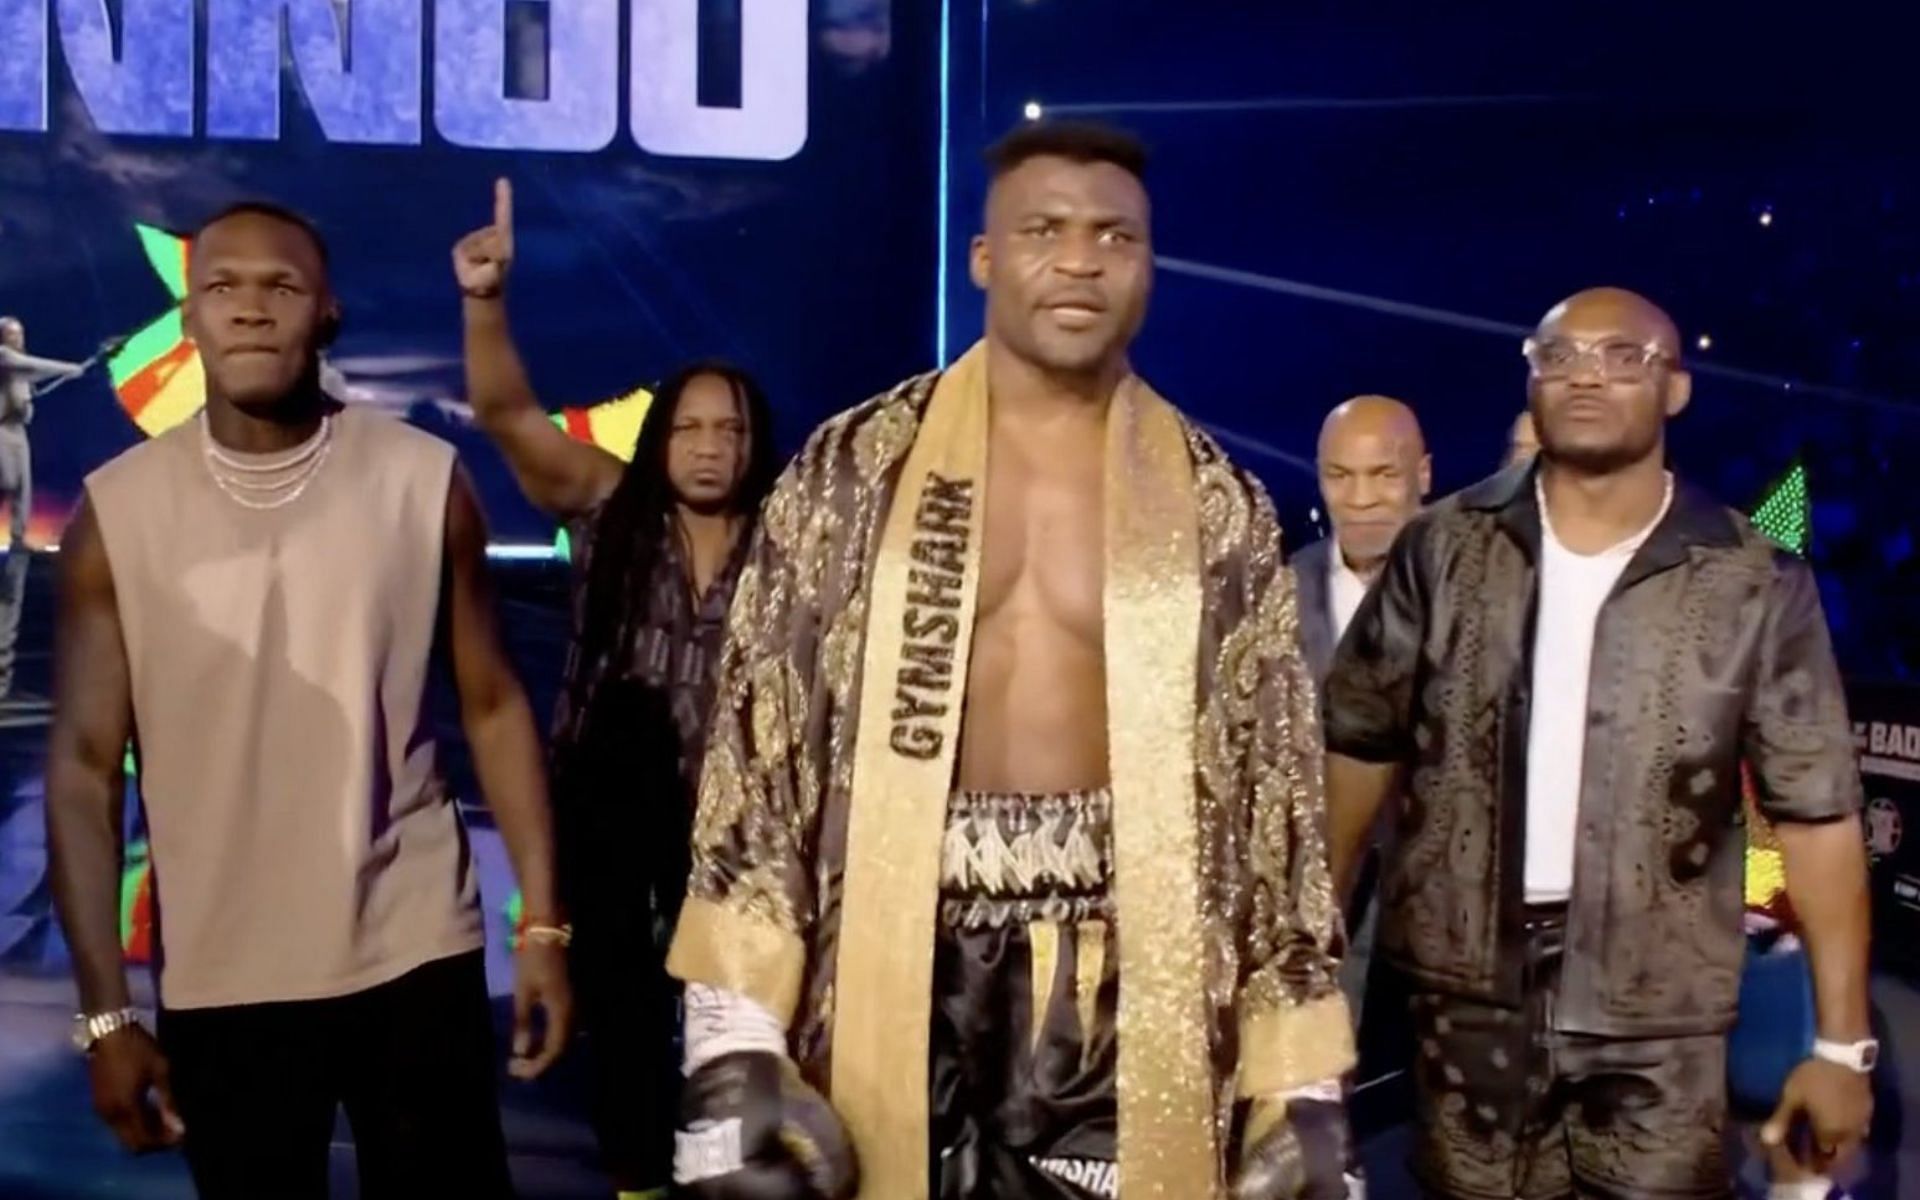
(1570, 661)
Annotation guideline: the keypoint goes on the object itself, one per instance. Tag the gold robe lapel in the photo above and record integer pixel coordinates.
(1153, 600)
(926, 581)
(919, 632)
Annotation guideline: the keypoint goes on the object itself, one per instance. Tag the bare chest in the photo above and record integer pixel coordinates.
(1043, 554)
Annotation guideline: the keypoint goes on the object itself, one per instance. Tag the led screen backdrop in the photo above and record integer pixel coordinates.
(1363, 198)
(747, 178)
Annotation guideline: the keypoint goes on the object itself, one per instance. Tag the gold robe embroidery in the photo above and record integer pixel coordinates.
(1260, 1007)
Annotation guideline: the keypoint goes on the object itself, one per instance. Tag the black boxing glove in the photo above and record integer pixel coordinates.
(1303, 1151)
(751, 1129)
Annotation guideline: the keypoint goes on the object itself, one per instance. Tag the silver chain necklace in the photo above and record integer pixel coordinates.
(291, 474)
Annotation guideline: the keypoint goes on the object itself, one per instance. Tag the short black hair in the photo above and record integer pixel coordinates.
(1076, 141)
(273, 212)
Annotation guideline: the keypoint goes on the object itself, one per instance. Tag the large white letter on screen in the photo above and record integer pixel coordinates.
(146, 88)
(360, 69)
(581, 111)
(667, 116)
(23, 66)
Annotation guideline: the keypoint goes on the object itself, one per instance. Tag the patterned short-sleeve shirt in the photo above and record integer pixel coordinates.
(672, 645)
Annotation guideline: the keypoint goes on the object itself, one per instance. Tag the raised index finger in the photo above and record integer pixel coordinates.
(503, 205)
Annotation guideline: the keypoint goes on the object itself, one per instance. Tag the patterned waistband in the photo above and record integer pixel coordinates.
(1019, 857)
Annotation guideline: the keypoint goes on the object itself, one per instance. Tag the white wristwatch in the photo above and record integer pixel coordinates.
(88, 1030)
(1858, 1057)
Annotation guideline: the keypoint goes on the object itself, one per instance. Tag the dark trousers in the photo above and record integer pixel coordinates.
(412, 1061)
(629, 1013)
(1380, 1089)
(622, 811)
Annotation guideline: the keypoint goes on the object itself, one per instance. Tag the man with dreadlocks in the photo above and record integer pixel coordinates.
(658, 545)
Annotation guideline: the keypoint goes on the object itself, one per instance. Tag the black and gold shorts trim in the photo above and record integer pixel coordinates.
(1026, 988)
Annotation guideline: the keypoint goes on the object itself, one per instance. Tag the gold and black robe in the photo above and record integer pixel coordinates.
(1225, 917)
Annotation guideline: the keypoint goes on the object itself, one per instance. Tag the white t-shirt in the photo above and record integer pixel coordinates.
(1345, 591)
(1572, 589)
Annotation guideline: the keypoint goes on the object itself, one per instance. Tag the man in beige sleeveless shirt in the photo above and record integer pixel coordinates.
(257, 599)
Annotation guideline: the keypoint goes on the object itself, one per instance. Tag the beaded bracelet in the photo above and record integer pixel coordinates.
(548, 935)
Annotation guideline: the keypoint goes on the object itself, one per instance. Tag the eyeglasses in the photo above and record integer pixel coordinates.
(1623, 362)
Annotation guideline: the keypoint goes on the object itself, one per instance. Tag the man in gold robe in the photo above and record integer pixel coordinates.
(1009, 876)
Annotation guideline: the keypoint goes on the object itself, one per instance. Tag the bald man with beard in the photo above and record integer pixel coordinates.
(1374, 473)
(1568, 665)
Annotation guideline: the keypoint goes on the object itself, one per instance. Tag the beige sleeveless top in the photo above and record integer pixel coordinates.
(303, 843)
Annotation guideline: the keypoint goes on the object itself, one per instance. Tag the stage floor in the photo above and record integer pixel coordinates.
(51, 1146)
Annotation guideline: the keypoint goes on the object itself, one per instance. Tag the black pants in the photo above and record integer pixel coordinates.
(412, 1061)
(622, 811)
(629, 1014)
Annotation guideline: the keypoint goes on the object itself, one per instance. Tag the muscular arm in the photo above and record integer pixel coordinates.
(562, 476)
(1369, 704)
(1356, 790)
(34, 368)
(1800, 744)
(493, 708)
(1827, 883)
(92, 718)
